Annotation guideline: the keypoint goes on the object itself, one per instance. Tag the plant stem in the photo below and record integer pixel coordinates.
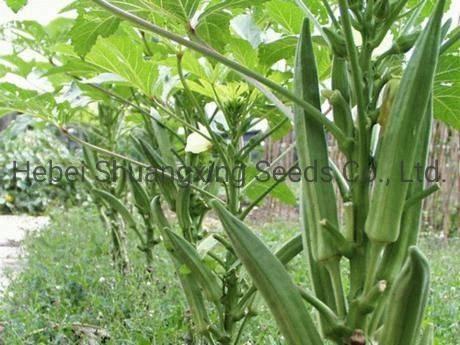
(422, 195)
(360, 190)
(320, 306)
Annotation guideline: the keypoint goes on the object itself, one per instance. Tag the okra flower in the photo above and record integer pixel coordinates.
(198, 142)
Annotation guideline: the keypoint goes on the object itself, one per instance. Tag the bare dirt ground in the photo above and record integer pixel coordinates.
(13, 229)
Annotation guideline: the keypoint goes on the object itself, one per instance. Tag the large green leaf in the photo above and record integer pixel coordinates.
(16, 5)
(31, 102)
(184, 9)
(243, 53)
(215, 29)
(447, 90)
(124, 57)
(89, 26)
(175, 13)
(286, 14)
(275, 51)
(216, 6)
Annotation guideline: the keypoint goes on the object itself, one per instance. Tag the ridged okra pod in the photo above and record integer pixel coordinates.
(318, 197)
(190, 285)
(271, 279)
(395, 253)
(340, 98)
(402, 134)
(407, 301)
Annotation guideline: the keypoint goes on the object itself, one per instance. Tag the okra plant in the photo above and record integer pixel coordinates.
(166, 63)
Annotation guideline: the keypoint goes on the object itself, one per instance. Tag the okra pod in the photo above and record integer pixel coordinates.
(167, 186)
(187, 255)
(407, 300)
(189, 284)
(164, 144)
(319, 197)
(401, 136)
(337, 43)
(141, 198)
(395, 253)
(271, 279)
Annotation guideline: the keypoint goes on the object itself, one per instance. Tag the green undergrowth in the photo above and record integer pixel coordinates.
(70, 293)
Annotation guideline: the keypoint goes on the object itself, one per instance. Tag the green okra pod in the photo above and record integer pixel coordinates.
(116, 204)
(340, 98)
(340, 80)
(190, 285)
(395, 253)
(337, 43)
(164, 144)
(183, 210)
(402, 134)
(403, 44)
(407, 301)
(318, 198)
(90, 158)
(141, 198)
(389, 94)
(187, 255)
(271, 279)
(166, 185)
(290, 249)
(121, 182)
(342, 113)
(311, 145)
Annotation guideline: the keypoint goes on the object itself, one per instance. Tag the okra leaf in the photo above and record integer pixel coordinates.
(274, 118)
(446, 90)
(89, 26)
(244, 53)
(215, 29)
(16, 5)
(286, 14)
(122, 56)
(272, 52)
(167, 13)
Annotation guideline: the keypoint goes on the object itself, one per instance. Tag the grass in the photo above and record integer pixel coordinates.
(69, 285)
